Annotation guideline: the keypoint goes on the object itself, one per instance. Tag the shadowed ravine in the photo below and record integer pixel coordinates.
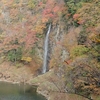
(18, 92)
(46, 50)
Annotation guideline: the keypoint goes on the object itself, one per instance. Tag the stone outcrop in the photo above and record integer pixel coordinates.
(53, 88)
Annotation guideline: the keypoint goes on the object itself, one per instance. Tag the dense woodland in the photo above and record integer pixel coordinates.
(76, 28)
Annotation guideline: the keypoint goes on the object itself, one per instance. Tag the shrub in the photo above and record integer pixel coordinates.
(82, 38)
(95, 51)
(26, 59)
(74, 5)
(31, 4)
(33, 51)
(14, 55)
(79, 50)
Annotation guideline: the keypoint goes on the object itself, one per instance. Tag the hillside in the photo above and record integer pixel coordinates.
(73, 45)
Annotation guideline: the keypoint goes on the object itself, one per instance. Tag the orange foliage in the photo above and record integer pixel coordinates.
(18, 21)
(76, 16)
(68, 61)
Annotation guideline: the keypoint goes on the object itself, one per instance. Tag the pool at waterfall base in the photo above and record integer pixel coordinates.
(18, 92)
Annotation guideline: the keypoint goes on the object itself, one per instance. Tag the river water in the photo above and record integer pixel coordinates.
(18, 92)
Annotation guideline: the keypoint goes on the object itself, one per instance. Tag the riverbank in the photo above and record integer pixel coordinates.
(52, 87)
(10, 73)
(23, 75)
(49, 84)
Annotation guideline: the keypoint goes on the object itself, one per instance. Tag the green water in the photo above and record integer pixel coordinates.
(18, 92)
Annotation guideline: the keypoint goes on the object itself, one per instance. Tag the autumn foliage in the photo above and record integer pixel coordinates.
(22, 21)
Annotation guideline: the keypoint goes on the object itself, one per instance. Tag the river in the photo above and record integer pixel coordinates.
(18, 92)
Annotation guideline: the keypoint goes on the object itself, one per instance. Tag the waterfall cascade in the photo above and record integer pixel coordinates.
(46, 50)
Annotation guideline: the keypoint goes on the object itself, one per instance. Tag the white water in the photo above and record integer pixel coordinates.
(46, 50)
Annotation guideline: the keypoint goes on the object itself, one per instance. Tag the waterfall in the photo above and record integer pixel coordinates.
(46, 50)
